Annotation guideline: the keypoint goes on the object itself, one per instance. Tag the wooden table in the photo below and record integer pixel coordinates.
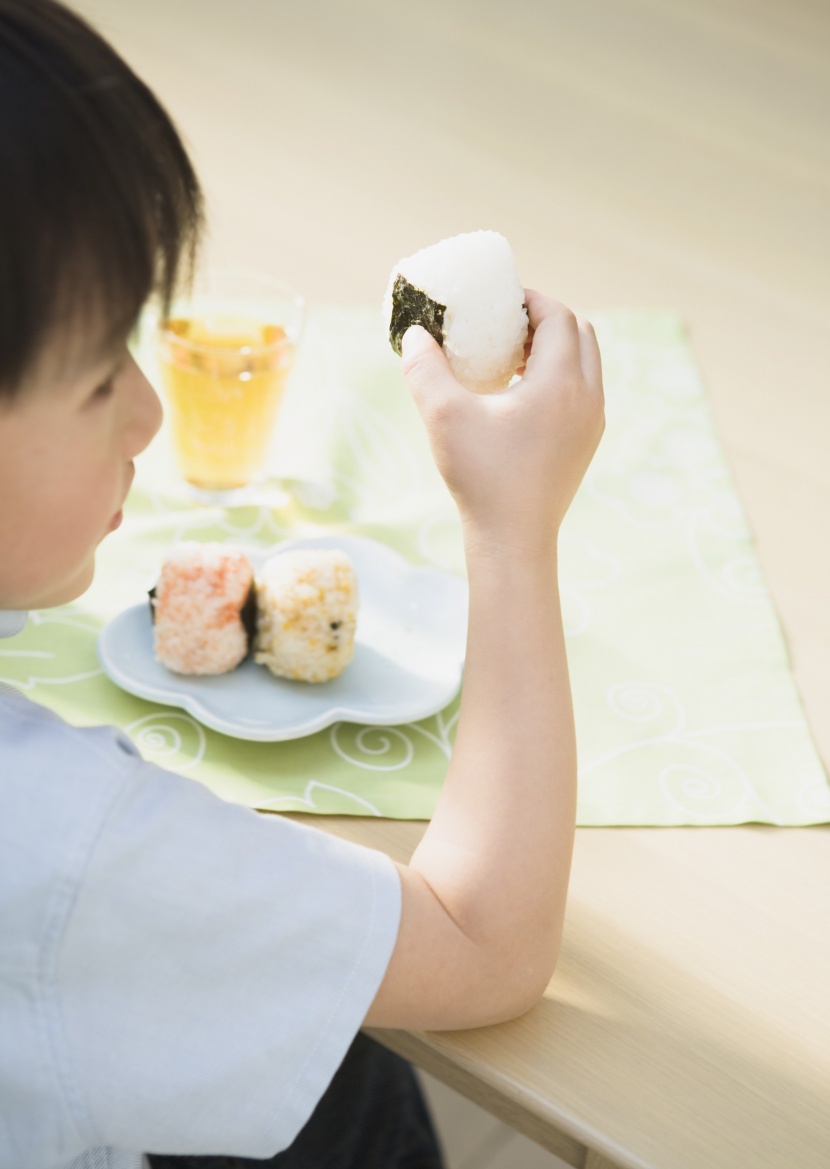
(637, 153)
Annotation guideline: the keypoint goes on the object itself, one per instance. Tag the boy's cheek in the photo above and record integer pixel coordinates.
(48, 542)
(39, 576)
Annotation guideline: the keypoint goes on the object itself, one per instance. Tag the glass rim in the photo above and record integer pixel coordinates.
(282, 287)
(171, 337)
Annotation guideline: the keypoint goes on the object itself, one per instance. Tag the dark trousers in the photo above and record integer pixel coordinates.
(372, 1116)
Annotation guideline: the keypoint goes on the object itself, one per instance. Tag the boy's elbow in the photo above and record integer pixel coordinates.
(510, 968)
(509, 979)
(450, 972)
(526, 978)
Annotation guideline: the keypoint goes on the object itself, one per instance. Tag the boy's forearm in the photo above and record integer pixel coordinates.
(498, 849)
(483, 899)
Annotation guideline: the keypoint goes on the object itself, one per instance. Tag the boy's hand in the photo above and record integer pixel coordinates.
(514, 459)
(483, 897)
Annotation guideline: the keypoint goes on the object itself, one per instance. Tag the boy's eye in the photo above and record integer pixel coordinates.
(106, 387)
(104, 390)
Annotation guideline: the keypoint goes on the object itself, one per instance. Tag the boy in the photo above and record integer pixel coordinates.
(179, 975)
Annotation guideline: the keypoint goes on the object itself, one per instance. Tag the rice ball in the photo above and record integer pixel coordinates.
(202, 608)
(466, 292)
(307, 614)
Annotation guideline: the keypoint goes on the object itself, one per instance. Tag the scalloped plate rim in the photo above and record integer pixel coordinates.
(320, 720)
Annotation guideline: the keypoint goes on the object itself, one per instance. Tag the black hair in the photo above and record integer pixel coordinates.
(99, 203)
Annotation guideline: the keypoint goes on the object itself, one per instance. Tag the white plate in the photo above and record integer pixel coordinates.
(408, 660)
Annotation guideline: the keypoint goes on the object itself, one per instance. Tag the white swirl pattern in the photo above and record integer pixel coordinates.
(706, 793)
(687, 713)
(161, 738)
(373, 742)
(646, 702)
(308, 799)
(704, 782)
(738, 578)
(396, 745)
(49, 651)
(445, 724)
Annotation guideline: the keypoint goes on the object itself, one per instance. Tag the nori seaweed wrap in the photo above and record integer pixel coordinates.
(466, 293)
(411, 306)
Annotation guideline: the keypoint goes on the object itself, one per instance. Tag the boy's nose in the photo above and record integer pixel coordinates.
(145, 410)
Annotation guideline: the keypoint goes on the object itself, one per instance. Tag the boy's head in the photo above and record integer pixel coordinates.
(98, 201)
(99, 207)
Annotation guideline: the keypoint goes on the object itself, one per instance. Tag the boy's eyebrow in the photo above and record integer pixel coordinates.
(88, 361)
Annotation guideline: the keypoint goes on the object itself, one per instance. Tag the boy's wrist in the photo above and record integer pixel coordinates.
(485, 547)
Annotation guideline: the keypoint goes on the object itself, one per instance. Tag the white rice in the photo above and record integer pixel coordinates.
(307, 614)
(485, 325)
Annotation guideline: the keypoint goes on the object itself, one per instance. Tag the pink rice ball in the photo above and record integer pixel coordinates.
(198, 625)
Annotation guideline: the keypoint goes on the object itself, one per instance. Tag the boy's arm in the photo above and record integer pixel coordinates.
(484, 894)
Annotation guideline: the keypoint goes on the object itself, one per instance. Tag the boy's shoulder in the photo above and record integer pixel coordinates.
(57, 785)
(37, 744)
(159, 918)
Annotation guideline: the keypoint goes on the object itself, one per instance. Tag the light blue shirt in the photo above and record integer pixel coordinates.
(177, 974)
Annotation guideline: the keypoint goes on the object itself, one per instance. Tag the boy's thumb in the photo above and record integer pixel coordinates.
(424, 365)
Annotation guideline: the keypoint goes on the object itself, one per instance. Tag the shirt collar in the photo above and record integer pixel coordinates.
(12, 621)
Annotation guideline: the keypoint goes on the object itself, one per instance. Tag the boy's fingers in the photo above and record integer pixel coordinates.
(555, 333)
(425, 367)
(541, 309)
(415, 343)
(589, 355)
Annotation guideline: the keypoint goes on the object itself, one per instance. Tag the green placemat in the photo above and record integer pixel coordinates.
(686, 708)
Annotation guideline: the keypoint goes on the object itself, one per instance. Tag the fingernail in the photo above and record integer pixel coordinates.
(414, 340)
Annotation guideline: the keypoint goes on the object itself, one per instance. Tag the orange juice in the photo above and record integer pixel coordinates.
(224, 377)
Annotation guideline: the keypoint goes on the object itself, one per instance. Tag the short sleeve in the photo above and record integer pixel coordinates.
(214, 968)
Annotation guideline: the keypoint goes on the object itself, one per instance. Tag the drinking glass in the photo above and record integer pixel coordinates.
(225, 355)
